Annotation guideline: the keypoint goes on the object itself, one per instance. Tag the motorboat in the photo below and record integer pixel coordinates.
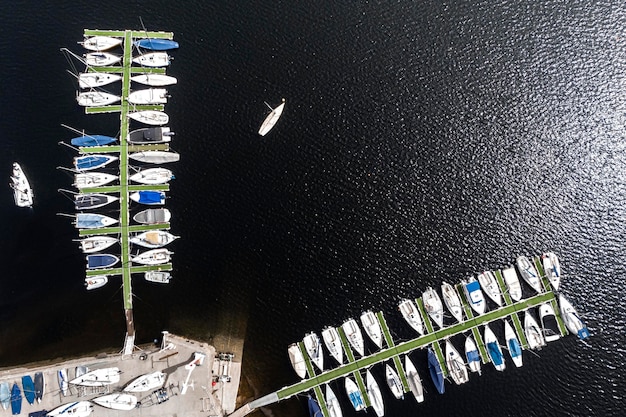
(28, 385)
(355, 396)
(160, 277)
(96, 98)
(314, 408)
(529, 273)
(117, 401)
(16, 400)
(101, 43)
(455, 364)
(96, 79)
(412, 315)
(549, 325)
(332, 404)
(414, 380)
(92, 201)
(98, 377)
(39, 386)
(394, 383)
(374, 394)
(552, 268)
(371, 325)
(512, 283)
(512, 344)
(433, 306)
(314, 349)
(436, 373)
(101, 59)
(92, 140)
(331, 338)
(89, 162)
(73, 409)
(93, 221)
(153, 216)
(153, 239)
(297, 360)
(572, 320)
(63, 381)
(153, 59)
(154, 80)
(490, 286)
(534, 334)
(146, 382)
(148, 135)
(493, 349)
(96, 281)
(148, 96)
(149, 198)
(97, 243)
(452, 300)
(150, 117)
(472, 355)
(155, 44)
(354, 336)
(474, 295)
(22, 192)
(271, 118)
(101, 261)
(155, 157)
(153, 257)
(93, 179)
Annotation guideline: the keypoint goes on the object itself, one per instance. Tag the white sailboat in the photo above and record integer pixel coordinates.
(101, 59)
(117, 401)
(271, 118)
(92, 179)
(153, 238)
(552, 268)
(96, 281)
(97, 243)
(394, 383)
(98, 377)
(148, 96)
(153, 257)
(456, 367)
(490, 286)
(331, 338)
(534, 335)
(415, 382)
(355, 396)
(452, 301)
(96, 79)
(373, 392)
(572, 320)
(433, 306)
(96, 98)
(154, 80)
(150, 117)
(297, 360)
(74, 409)
(493, 349)
(101, 43)
(512, 283)
(22, 192)
(155, 157)
(474, 295)
(152, 176)
(472, 355)
(146, 382)
(512, 344)
(332, 404)
(314, 349)
(153, 59)
(372, 328)
(354, 336)
(411, 314)
(529, 273)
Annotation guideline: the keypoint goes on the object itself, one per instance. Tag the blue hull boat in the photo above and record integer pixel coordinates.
(16, 400)
(92, 140)
(156, 44)
(29, 388)
(436, 373)
(314, 408)
(89, 162)
(101, 261)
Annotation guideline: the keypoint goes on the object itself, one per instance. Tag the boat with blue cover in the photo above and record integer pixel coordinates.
(39, 386)
(5, 395)
(572, 320)
(89, 162)
(29, 388)
(156, 44)
(148, 197)
(474, 295)
(314, 408)
(493, 349)
(436, 373)
(472, 355)
(355, 396)
(100, 261)
(512, 344)
(16, 400)
(93, 221)
(92, 140)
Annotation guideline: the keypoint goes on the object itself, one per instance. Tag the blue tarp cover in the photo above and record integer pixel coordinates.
(151, 197)
(514, 348)
(473, 356)
(436, 373)
(495, 353)
(92, 140)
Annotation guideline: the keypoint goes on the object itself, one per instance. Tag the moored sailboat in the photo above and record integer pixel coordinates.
(493, 349)
(153, 257)
(512, 344)
(512, 283)
(529, 273)
(297, 360)
(472, 355)
(372, 328)
(271, 118)
(332, 404)
(161, 277)
(433, 306)
(452, 301)
(534, 335)
(331, 338)
(436, 373)
(146, 382)
(373, 392)
(354, 336)
(490, 286)
(150, 117)
(415, 382)
(572, 320)
(394, 383)
(456, 367)
(411, 314)
(97, 243)
(552, 268)
(153, 239)
(355, 396)
(314, 349)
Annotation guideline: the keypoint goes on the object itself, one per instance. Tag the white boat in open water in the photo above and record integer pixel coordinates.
(415, 382)
(98, 377)
(373, 392)
(472, 355)
(394, 383)
(372, 328)
(154, 80)
(455, 364)
(146, 382)
(552, 268)
(314, 349)
(411, 314)
(354, 336)
(572, 320)
(331, 338)
(490, 286)
(529, 273)
(512, 283)
(512, 344)
(433, 306)
(534, 334)
(271, 118)
(452, 301)
(73, 409)
(96, 79)
(297, 360)
(117, 401)
(150, 117)
(22, 192)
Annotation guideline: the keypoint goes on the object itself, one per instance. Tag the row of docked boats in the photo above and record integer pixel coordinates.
(11, 396)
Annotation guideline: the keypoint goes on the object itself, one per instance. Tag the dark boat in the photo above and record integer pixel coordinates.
(92, 201)
(101, 261)
(38, 386)
(314, 408)
(92, 140)
(436, 373)
(156, 44)
(16, 400)
(29, 388)
(149, 135)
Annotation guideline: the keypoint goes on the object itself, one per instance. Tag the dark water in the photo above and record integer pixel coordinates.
(421, 141)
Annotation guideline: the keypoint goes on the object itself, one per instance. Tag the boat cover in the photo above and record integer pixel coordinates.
(90, 161)
(99, 261)
(149, 134)
(495, 353)
(436, 373)
(514, 348)
(40, 413)
(84, 201)
(29, 388)
(314, 408)
(38, 386)
(16, 400)
(473, 356)
(151, 197)
(472, 288)
(92, 140)
(156, 44)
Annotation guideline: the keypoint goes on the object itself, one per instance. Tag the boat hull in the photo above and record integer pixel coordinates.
(372, 328)
(98, 378)
(414, 380)
(552, 268)
(331, 338)
(97, 243)
(93, 179)
(149, 198)
(148, 96)
(22, 191)
(529, 273)
(150, 117)
(472, 355)
(271, 119)
(101, 43)
(5, 395)
(153, 59)
(490, 287)
(155, 157)
(314, 350)
(154, 80)
(39, 386)
(354, 336)
(572, 320)
(452, 301)
(534, 335)
(156, 44)
(433, 306)
(101, 59)
(549, 325)
(96, 98)
(153, 257)
(96, 79)
(512, 344)
(493, 350)
(512, 283)
(118, 401)
(29, 389)
(160, 277)
(297, 360)
(355, 396)
(153, 216)
(373, 392)
(94, 282)
(75, 409)
(455, 364)
(436, 373)
(411, 314)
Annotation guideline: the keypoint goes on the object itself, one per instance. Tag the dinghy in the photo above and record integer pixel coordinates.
(394, 383)
(493, 349)
(92, 201)
(155, 157)
(153, 257)
(149, 135)
(154, 80)
(331, 338)
(552, 268)
(160, 277)
(152, 176)
(271, 118)
(93, 221)
(314, 349)
(22, 192)
(512, 283)
(153, 239)
(101, 261)
(89, 162)
(16, 400)
(156, 44)
(96, 98)
(474, 295)
(5, 395)
(436, 373)
(472, 355)
(456, 367)
(549, 325)
(96, 79)
(153, 216)
(512, 344)
(148, 96)
(146, 382)
(39, 386)
(415, 382)
(92, 140)
(149, 198)
(29, 389)
(96, 243)
(74, 409)
(332, 404)
(150, 117)
(572, 320)
(534, 335)
(101, 43)
(412, 315)
(153, 59)
(101, 59)
(96, 281)
(98, 377)
(92, 179)
(372, 328)
(63, 381)
(529, 273)
(433, 306)
(355, 396)
(297, 360)
(452, 301)
(117, 401)
(354, 336)
(490, 286)
(373, 392)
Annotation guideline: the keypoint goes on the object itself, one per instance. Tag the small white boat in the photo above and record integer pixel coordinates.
(354, 336)
(314, 349)
(117, 401)
(101, 59)
(271, 118)
(549, 325)
(372, 328)
(98, 378)
(456, 367)
(373, 392)
(93, 221)
(97, 281)
(572, 320)
(331, 338)
(75, 409)
(297, 360)
(155, 157)
(512, 344)
(153, 257)
(101, 43)
(490, 286)
(412, 315)
(394, 383)
(474, 295)
(552, 268)
(355, 396)
(146, 382)
(153, 216)
(96, 243)
(153, 239)
(472, 355)
(96, 98)
(160, 277)
(452, 301)
(493, 349)
(433, 306)
(150, 117)
(332, 404)
(152, 176)
(512, 283)
(22, 192)
(150, 135)
(415, 382)
(92, 179)
(529, 273)
(153, 59)
(148, 96)
(96, 79)
(534, 335)
(154, 80)
(63, 381)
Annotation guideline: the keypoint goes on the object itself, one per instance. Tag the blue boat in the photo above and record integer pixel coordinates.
(101, 261)
(314, 408)
(493, 349)
(93, 221)
(436, 373)
(156, 44)
(92, 140)
(16, 400)
(89, 162)
(148, 197)
(29, 388)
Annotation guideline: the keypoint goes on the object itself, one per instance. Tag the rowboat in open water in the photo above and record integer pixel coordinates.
(271, 118)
